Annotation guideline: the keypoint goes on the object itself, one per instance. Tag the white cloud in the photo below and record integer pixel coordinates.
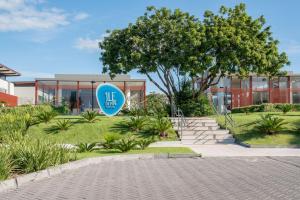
(88, 43)
(20, 15)
(81, 16)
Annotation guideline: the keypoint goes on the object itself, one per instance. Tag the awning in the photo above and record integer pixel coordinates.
(6, 71)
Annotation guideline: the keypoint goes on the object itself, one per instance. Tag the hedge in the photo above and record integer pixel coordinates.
(266, 107)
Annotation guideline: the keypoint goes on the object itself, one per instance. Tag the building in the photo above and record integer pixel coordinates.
(7, 92)
(232, 92)
(78, 91)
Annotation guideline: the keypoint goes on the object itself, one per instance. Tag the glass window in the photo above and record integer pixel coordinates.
(295, 82)
(260, 82)
(296, 97)
(260, 97)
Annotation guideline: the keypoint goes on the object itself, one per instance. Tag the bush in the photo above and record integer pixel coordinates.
(285, 108)
(161, 125)
(89, 116)
(6, 165)
(86, 147)
(269, 124)
(267, 107)
(144, 143)
(125, 144)
(46, 116)
(109, 141)
(62, 125)
(136, 123)
(157, 104)
(30, 155)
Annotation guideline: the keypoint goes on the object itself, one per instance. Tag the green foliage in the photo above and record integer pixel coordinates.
(86, 147)
(63, 109)
(46, 116)
(125, 144)
(157, 104)
(285, 108)
(29, 121)
(60, 125)
(144, 143)
(181, 45)
(110, 141)
(266, 107)
(269, 124)
(89, 116)
(191, 105)
(6, 165)
(161, 125)
(30, 155)
(136, 123)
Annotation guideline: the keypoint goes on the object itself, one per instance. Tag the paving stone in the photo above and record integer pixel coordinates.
(172, 179)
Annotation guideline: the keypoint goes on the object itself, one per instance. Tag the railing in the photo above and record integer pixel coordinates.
(228, 119)
(181, 122)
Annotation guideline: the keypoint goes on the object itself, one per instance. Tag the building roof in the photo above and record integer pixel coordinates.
(6, 71)
(24, 83)
(89, 77)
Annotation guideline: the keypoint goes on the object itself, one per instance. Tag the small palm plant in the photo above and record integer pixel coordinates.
(144, 143)
(162, 125)
(89, 116)
(109, 141)
(62, 125)
(136, 123)
(269, 124)
(125, 144)
(86, 147)
(46, 116)
(285, 108)
(29, 121)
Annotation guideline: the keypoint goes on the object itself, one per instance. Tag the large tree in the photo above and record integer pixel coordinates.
(176, 46)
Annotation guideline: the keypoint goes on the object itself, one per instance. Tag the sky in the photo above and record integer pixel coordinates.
(40, 38)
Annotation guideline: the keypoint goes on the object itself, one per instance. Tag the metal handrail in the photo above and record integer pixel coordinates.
(181, 122)
(228, 119)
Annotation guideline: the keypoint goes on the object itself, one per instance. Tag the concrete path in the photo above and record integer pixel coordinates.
(172, 179)
(231, 150)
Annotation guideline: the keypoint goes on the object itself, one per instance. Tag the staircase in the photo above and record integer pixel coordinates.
(201, 130)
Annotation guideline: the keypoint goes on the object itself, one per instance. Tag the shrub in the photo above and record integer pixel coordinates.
(60, 125)
(46, 116)
(109, 141)
(125, 144)
(269, 124)
(161, 125)
(157, 104)
(86, 147)
(29, 121)
(89, 116)
(136, 123)
(144, 143)
(285, 108)
(6, 165)
(30, 155)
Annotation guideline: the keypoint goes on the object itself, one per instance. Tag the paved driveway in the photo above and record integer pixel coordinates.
(185, 178)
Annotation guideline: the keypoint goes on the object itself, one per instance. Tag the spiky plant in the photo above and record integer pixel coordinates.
(162, 125)
(269, 124)
(86, 147)
(46, 116)
(109, 141)
(136, 123)
(125, 144)
(285, 108)
(62, 125)
(89, 116)
(144, 143)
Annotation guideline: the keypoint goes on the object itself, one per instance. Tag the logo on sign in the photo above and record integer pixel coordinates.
(110, 99)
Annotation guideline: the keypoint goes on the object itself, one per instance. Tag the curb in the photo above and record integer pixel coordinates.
(15, 183)
(266, 146)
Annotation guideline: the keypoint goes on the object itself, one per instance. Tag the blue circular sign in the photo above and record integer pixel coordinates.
(110, 99)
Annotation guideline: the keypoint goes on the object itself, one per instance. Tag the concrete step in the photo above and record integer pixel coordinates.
(207, 137)
(203, 142)
(195, 132)
(198, 128)
(197, 124)
(194, 120)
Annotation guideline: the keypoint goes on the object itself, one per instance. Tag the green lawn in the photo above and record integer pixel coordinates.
(154, 150)
(247, 134)
(86, 132)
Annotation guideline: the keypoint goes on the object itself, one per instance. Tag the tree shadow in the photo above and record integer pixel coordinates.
(121, 127)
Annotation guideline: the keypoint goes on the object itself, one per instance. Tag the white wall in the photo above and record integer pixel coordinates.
(26, 95)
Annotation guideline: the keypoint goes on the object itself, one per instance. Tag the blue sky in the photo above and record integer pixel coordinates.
(42, 37)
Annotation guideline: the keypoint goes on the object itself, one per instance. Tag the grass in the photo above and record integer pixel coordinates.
(154, 150)
(83, 132)
(247, 134)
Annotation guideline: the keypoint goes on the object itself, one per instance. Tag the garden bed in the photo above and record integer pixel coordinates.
(289, 136)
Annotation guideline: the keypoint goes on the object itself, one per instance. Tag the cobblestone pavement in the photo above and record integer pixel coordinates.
(185, 178)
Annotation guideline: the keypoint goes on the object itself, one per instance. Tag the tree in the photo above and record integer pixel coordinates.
(175, 46)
